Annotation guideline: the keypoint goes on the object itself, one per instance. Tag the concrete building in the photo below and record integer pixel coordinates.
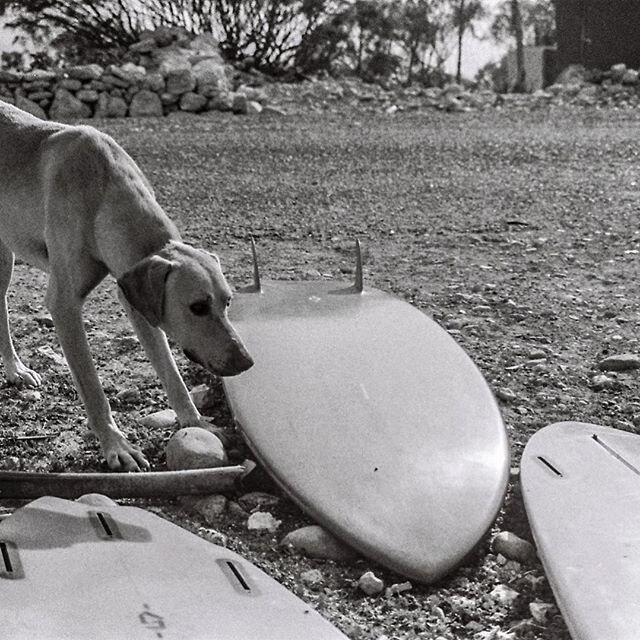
(598, 33)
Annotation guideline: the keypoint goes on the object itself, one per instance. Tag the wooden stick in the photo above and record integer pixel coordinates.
(152, 484)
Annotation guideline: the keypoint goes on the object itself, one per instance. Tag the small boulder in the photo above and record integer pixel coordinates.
(145, 103)
(30, 107)
(85, 72)
(109, 106)
(66, 106)
(195, 448)
(192, 102)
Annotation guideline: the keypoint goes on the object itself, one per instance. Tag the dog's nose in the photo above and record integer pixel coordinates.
(241, 360)
(192, 356)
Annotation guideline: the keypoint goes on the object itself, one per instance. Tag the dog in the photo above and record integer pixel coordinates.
(74, 204)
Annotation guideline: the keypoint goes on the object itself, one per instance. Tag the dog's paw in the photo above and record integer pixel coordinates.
(20, 375)
(120, 454)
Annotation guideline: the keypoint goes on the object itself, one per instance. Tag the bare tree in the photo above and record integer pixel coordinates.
(465, 14)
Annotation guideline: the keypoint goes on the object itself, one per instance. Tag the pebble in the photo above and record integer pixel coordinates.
(312, 579)
(602, 381)
(263, 521)
(397, 588)
(10, 463)
(30, 395)
(44, 320)
(97, 500)
(258, 500)
(513, 547)
(540, 611)
(203, 397)
(194, 448)
(211, 508)
(621, 362)
(505, 394)
(160, 419)
(316, 542)
(128, 396)
(370, 584)
(504, 595)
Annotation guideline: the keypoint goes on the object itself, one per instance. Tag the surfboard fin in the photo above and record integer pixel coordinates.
(358, 285)
(256, 268)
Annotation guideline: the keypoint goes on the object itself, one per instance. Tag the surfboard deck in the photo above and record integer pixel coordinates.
(372, 419)
(581, 488)
(73, 571)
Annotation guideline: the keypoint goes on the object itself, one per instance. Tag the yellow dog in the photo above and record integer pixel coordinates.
(74, 203)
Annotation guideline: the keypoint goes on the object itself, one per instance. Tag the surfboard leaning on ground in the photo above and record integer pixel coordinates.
(372, 418)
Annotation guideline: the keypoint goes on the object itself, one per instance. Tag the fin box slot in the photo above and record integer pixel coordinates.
(10, 565)
(549, 466)
(238, 579)
(104, 525)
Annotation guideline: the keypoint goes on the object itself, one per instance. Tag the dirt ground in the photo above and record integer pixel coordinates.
(517, 231)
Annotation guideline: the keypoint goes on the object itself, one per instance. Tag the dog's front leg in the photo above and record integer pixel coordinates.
(156, 346)
(66, 310)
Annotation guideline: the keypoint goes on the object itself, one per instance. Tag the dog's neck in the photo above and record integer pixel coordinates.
(151, 233)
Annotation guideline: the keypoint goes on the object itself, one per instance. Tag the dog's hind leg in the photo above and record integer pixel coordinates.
(15, 370)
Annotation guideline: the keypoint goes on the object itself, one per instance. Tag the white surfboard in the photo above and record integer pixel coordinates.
(581, 487)
(373, 419)
(70, 571)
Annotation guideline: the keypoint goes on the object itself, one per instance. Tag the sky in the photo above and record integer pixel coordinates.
(475, 52)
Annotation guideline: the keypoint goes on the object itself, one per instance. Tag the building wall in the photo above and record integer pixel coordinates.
(539, 65)
(598, 33)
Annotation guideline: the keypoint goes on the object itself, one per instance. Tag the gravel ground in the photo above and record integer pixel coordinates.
(517, 231)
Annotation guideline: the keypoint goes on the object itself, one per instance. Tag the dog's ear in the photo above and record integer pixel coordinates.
(143, 287)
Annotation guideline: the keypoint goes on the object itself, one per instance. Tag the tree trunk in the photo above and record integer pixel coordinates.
(461, 27)
(521, 74)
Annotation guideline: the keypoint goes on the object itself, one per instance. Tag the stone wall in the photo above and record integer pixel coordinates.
(166, 71)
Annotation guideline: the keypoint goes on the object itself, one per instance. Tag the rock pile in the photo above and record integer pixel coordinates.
(167, 71)
(619, 87)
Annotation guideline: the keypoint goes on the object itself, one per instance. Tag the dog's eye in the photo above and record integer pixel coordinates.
(199, 308)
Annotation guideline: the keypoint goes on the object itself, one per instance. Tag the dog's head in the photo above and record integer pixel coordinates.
(183, 291)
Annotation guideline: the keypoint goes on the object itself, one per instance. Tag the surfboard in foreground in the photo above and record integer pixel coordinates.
(372, 418)
(581, 487)
(73, 571)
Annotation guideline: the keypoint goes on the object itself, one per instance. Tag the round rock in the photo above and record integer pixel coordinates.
(512, 547)
(195, 448)
(97, 500)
